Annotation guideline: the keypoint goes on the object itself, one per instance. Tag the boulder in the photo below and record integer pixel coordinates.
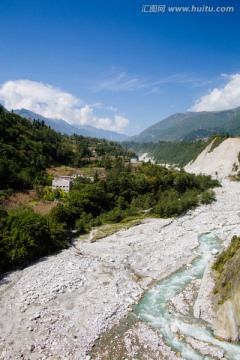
(215, 251)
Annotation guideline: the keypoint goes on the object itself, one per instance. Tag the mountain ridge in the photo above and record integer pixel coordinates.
(64, 127)
(189, 125)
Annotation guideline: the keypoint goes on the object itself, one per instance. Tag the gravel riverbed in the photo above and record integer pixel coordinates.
(58, 307)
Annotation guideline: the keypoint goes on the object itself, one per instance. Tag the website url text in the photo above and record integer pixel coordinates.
(189, 9)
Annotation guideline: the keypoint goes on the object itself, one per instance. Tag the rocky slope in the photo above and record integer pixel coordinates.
(226, 298)
(222, 312)
(219, 162)
(226, 325)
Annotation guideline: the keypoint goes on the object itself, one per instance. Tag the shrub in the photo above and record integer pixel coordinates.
(25, 236)
(207, 197)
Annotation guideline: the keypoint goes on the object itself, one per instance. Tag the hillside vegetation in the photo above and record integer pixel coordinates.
(28, 148)
(179, 152)
(192, 126)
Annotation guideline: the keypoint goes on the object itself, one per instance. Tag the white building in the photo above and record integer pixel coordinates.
(64, 183)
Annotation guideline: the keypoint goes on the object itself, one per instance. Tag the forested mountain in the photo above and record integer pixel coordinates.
(191, 126)
(27, 148)
(65, 128)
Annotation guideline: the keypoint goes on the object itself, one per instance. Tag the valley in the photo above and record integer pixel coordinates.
(78, 297)
(58, 307)
(119, 180)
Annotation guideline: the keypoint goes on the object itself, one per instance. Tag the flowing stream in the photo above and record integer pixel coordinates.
(153, 307)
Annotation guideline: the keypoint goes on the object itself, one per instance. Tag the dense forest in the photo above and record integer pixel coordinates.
(126, 190)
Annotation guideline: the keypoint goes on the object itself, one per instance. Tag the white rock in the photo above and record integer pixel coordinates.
(129, 299)
(174, 328)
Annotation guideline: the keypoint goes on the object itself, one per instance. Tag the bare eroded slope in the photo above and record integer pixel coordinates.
(220, 162)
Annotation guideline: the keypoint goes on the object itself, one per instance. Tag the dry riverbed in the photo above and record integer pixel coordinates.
(58, 307)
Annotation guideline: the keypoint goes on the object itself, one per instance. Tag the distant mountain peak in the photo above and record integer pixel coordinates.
(191, 126)
(64, 127)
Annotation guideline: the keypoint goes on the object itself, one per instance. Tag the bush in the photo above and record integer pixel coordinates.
(207, 197)
(115, 216)
(227, 254)
(50, 195)
(25, 236)
(84, 223)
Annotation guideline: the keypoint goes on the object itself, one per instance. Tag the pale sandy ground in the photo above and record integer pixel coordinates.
(58, 307)
(220, 162)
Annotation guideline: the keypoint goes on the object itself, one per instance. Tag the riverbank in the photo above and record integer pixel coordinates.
(58, 307)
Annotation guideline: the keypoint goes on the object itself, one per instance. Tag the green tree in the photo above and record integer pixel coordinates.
(31, 235)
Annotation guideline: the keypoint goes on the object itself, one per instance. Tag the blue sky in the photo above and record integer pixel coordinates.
(108, 64)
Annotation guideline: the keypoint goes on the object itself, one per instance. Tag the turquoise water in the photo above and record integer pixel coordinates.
(153, 307)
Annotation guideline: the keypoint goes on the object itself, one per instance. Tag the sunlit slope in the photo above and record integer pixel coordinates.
(220, 161)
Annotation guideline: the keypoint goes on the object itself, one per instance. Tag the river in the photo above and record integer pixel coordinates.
(153, 308)
(69, 305)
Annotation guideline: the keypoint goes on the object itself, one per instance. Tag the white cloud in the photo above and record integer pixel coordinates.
(227, 97)
(121, 82)
(181, 78)
(54, 103)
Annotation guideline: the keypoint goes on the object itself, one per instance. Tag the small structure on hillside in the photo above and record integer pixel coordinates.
(64, 183)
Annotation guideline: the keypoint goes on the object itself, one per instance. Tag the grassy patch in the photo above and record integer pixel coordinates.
(109, 229)
(234, 177)
(227, 255)
(69, 171)
(25, 200)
